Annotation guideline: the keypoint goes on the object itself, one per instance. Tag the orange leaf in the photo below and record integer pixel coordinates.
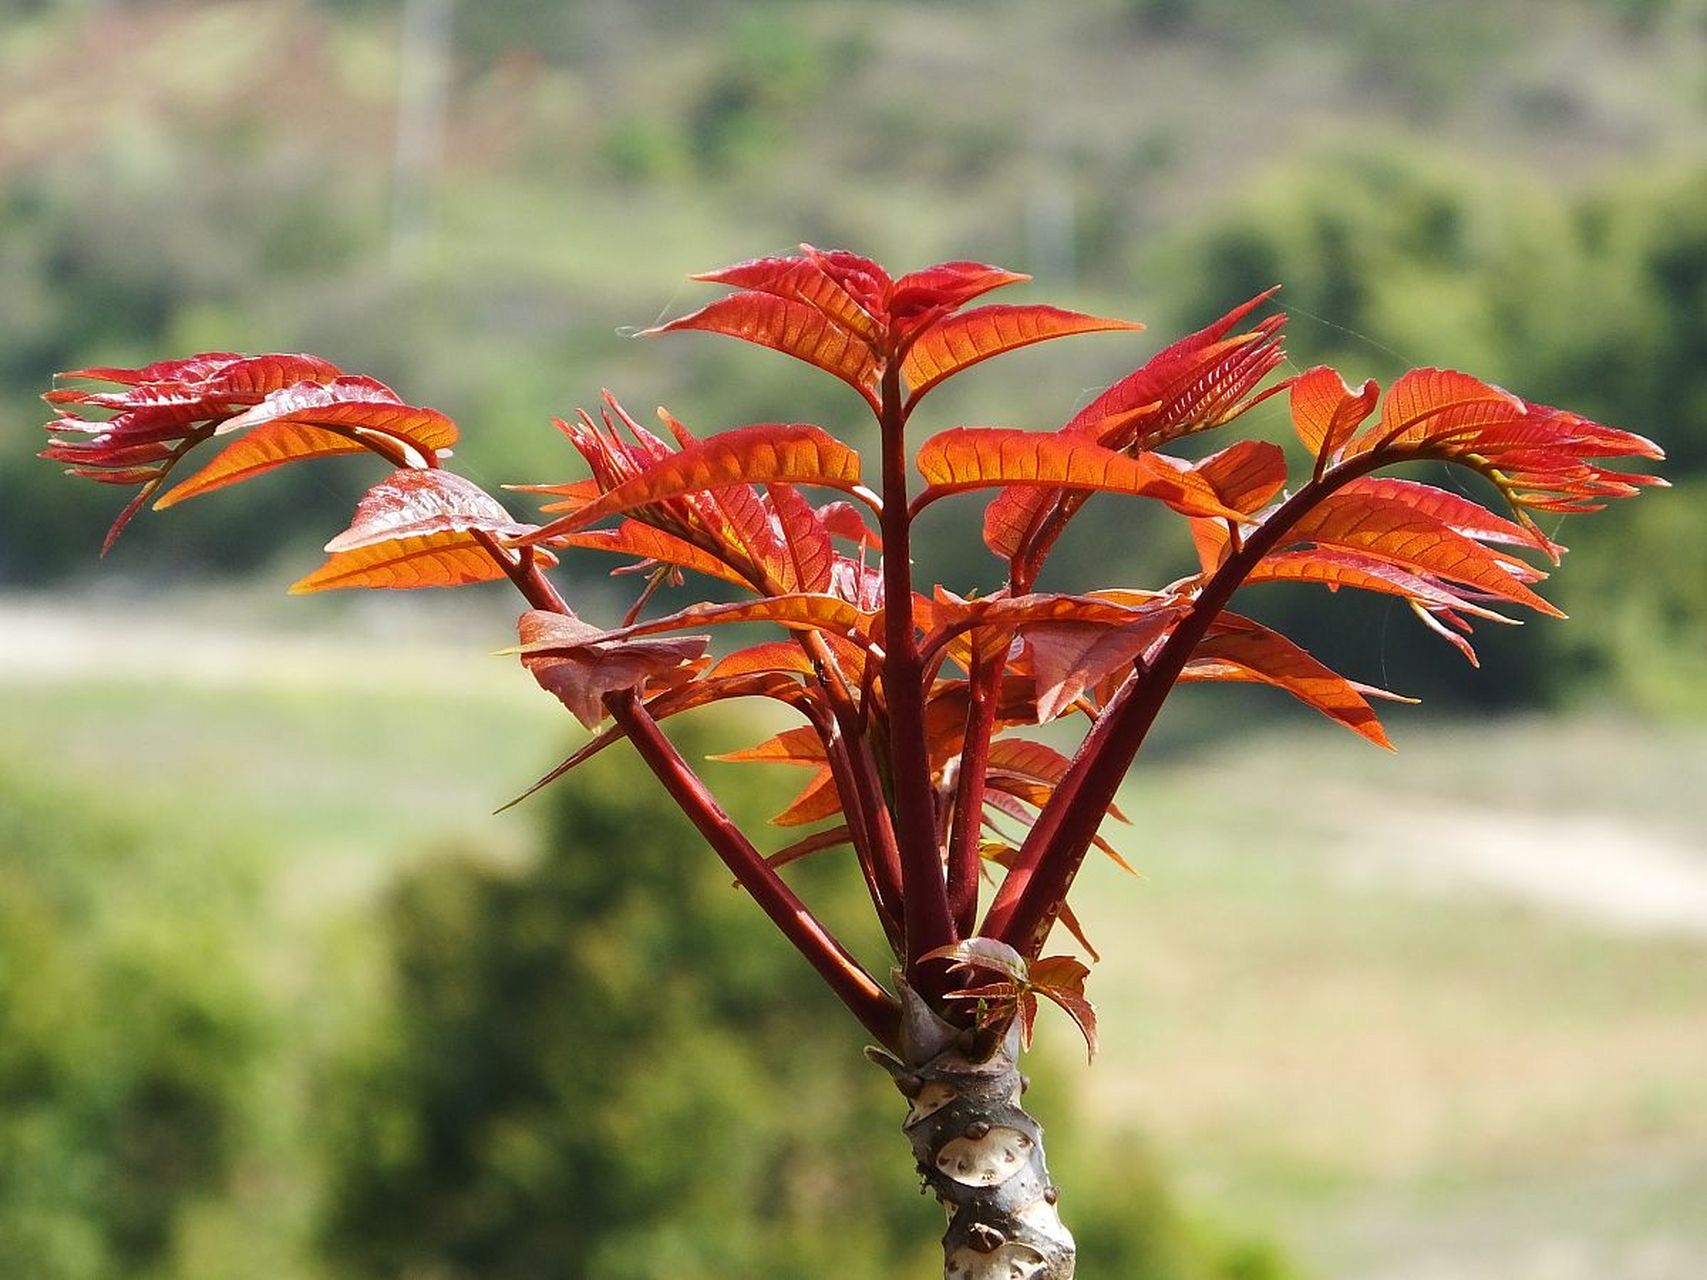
(436, 560)
(800, 745)
(1456, 512)
(804, 537)
(961, 341)
(1335, 569)
(354, 404)
(1326, 411)
(944, 287)
(1239, 649)
(986, 457)
(792, 453)
(1245, 475)
(579, 664)
(772, 655)
(414, 503)
(802, 280)
(260, 451)
(1430, 404)
(819, 800)
(1391, 529)
(794, 328)
(636, 539)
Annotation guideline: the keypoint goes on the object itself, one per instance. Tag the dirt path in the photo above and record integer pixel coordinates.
(1599, 870)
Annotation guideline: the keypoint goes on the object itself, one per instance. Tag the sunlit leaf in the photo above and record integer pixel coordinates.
(989, 955)
(795, 328)
(819, 800)
(988, 457)
(651, 544)
(1239, 649)
(417, 503)
(403, 564)
(354, 404)
(258, 452)
(801, 280)
(1390, 529)
(1326, 411)
(944, 287)
(961, 341)
(792, 453)
(579, 664)
(1061, 979)
(801, 746)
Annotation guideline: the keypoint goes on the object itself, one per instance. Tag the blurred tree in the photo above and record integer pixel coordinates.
(598, 1070)
(130, 1039)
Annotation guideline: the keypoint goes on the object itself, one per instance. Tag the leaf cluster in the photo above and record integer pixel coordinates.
(910, 698)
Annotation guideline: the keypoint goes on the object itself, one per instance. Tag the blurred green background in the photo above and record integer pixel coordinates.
(278, 998)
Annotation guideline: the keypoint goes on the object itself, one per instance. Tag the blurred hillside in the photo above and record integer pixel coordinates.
(478, 203)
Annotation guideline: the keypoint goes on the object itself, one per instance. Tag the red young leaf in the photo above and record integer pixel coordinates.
(801, 280)
(1245, 475)
(1326, 412)
(403, 564)
(772, 655)
(805, 539)
(844, 520)
(989, 955)
(1061, 979)
(1199, 382)
(987, 457)
(185, 369)
(964, 340)
(944, 287)
(1239, 649)
(794, 328)
(800, 746)
(355, 404)
(865, 282)
(1390, 529)
(652, 545)
(1456, 512)
(1068, 658)
(260, 451)
(1424, 405)
(418, 503)
(794, 453)
(578, 664)
(819, 800)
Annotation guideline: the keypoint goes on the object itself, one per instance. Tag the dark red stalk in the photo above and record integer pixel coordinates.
(868, 1001)
(963, 858)
(924, 895)
(1031, 895)
(856, 988)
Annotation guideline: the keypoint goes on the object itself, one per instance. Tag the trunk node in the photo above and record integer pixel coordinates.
(979, 1152)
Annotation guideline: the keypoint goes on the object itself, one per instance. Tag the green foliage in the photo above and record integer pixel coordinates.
(130, 1040)
(600, 1067)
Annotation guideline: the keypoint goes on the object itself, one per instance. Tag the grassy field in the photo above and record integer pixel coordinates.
(1341, 1001)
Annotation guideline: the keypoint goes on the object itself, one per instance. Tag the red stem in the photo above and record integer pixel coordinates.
(868, 1001)
(963, 859)
(1031, 895)
(856, 988)
(924, 894)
